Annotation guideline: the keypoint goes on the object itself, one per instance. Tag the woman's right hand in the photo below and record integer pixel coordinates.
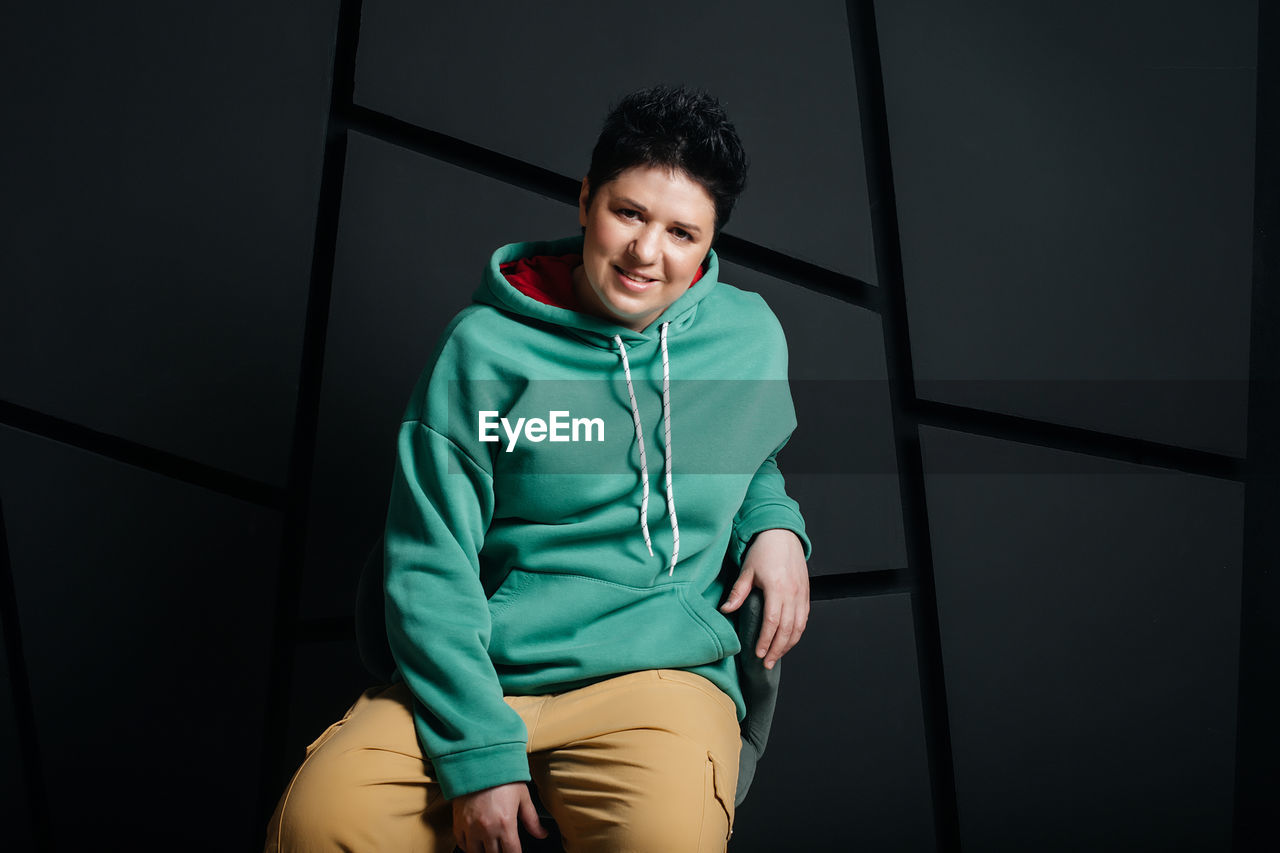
(486, 821)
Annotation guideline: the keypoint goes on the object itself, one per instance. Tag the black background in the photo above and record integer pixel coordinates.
(1025, 257)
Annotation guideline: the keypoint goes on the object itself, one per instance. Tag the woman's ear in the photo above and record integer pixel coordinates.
(582, 203)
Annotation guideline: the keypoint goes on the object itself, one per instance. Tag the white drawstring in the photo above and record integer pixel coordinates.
(666, 420)
(644, 466)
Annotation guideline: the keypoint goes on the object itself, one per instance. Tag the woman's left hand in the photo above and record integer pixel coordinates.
(775, 562)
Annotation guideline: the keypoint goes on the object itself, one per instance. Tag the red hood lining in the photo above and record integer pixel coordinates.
(549, 278)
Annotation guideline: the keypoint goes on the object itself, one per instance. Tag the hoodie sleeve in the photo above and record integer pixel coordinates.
(765, 507)
(437, 612)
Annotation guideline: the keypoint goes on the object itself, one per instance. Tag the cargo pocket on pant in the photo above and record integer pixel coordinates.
(724, 788)
(326, 734)
(329, 732)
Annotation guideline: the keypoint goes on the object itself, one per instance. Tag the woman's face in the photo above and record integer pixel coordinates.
(647, 231)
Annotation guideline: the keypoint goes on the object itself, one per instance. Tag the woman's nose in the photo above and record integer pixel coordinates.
(644, 248)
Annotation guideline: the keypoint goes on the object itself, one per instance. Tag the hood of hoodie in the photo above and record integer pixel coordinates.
(497, 290)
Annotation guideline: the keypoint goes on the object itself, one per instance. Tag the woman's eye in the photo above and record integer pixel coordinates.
(627, 213)
(682, 234)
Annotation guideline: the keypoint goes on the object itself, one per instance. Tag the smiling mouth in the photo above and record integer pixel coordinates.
(634, 277)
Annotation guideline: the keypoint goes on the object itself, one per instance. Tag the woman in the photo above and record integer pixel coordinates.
(592, 442)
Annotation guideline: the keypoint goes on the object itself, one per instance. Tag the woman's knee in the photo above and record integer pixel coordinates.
(356, 798)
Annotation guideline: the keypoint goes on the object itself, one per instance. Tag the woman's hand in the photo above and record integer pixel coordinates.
(774, 561)
(486, 821)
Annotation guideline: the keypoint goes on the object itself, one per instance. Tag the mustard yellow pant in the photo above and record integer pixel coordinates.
(646, 761)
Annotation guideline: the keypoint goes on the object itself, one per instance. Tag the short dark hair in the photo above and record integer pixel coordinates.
(679, 128)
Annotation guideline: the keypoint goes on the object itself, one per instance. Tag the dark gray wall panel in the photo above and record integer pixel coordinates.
(535, 82)
(1090, 630)
(15, 806)
(853, 520)
(840, 464)
(161, 174)
(146, 608)
(845, 767)
(1074, 187)
(415, 234)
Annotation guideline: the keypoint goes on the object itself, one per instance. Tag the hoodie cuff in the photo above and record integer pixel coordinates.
(476, 769)
(767, 517)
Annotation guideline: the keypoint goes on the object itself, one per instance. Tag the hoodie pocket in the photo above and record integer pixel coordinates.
(553, 629)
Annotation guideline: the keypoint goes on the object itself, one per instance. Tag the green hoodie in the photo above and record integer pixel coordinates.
(522, 561)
